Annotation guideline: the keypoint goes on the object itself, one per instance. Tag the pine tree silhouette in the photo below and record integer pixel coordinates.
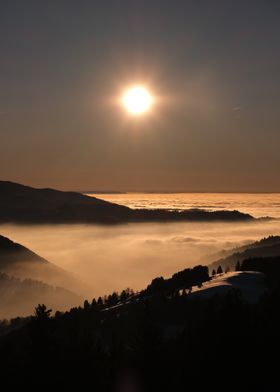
(220, 270)
(42, 313)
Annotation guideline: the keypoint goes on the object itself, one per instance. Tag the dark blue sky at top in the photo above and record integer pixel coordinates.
(215, 64)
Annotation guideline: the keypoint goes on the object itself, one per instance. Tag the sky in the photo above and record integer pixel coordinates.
(212, 66)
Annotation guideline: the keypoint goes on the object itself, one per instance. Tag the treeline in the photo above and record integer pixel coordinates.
(159, 343)
(110, 300)
(185, 280)
(270, 266)
(18, 297)
(181, 280)
(17, 285)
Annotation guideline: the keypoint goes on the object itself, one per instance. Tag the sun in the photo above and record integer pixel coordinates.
(137, 100)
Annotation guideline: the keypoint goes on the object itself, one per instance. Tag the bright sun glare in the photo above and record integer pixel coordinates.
(137, 100)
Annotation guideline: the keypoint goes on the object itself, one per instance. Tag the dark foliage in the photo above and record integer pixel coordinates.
(181, 280)
(151, 341)
(219, 270)
(159, 344)
(270, 266)
(42, 313)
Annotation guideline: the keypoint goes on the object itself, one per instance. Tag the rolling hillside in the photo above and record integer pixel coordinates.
(267, 247)
(23, 204)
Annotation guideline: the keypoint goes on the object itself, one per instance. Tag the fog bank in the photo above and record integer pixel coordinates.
(111, 258)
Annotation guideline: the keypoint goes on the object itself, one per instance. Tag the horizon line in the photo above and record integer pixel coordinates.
(174, 192)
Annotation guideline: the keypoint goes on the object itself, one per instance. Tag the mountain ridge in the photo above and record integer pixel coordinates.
(24, 204)
(23, 263)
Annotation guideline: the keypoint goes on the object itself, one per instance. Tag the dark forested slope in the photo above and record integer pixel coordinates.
(267, 247)
(156, 340)
(23, 204)
(18, 261)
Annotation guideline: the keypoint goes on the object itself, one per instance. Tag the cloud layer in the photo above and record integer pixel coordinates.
(113, 258)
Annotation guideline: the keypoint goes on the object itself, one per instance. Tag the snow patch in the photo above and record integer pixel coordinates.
(251, 284)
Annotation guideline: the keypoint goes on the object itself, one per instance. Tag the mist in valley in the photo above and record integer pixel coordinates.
(19, 297)
(103, 259)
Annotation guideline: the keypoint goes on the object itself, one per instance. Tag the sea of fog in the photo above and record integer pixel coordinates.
(257, 204)
(111, 258)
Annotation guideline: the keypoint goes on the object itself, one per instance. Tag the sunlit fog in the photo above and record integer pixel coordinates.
(108, 258)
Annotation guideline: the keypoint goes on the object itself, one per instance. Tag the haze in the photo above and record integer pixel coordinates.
(112, 258)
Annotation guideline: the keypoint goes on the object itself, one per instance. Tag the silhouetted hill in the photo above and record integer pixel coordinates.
(157, 340)
(18, 261)
(19, 203)
(11, 252)
(250, 285)
(23, 204)
(267, 247)
(270, 266)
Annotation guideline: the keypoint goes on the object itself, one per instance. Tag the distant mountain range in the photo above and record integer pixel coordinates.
(24, 204)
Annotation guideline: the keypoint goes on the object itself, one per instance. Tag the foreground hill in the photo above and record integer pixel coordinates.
(23, 204)
(251, 285)
(20, 262)
(156, 340)
(270, 266)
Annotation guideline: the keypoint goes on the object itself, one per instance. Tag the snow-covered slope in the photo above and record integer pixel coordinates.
(250, 284)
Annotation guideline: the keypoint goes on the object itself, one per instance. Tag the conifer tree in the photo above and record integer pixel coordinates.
(220, 270)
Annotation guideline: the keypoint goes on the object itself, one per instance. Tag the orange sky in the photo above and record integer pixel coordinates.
(215, 71)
